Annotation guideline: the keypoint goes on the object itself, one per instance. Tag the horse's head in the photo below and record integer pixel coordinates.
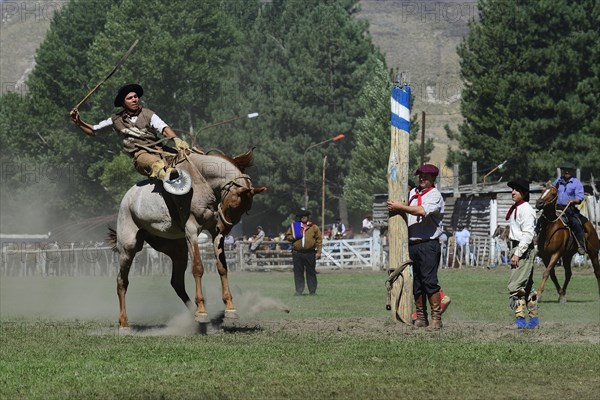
(549, 196)
(236, 199)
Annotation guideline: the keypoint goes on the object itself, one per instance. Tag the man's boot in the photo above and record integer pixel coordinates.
(170, 173)
(436, 310)
(580, 243)
(532, 308)
(158, 169)
(520, 322)
(579, 235)
(421, 321)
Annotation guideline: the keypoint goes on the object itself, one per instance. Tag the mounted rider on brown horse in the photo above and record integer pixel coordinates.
(555, 242)
(570, 195)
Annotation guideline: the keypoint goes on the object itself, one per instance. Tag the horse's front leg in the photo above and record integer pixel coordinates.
(191, 233)
(219, 248)
(562, 295)
(550, 264)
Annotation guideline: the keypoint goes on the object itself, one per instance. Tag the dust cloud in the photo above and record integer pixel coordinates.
(153, 307)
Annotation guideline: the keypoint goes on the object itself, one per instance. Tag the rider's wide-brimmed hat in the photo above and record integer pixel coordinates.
(302, 212)
(125, 90)
(568, 165)
(519, 184)
(428, 169)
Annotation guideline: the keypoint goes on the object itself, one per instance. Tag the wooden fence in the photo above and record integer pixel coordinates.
(97, 259)
(71, 259)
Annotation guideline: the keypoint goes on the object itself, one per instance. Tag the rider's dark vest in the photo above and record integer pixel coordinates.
(121, 121)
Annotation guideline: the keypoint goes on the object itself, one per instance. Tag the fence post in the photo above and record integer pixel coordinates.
(474, 175)
(455, 181)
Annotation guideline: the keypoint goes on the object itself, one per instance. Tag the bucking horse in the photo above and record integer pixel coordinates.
(219, 195)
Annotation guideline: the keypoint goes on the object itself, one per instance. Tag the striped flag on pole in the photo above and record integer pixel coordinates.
(401, 108)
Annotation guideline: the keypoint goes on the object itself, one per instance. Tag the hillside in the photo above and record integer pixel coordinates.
(419, 37)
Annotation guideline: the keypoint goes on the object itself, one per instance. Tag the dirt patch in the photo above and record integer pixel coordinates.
(384, 328)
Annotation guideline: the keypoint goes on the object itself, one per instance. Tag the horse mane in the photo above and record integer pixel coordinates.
(241, 161)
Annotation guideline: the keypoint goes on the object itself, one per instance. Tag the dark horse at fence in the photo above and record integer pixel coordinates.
(555, 241)
(220, 194)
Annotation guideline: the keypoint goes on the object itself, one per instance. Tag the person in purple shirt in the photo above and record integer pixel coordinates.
(570, 195)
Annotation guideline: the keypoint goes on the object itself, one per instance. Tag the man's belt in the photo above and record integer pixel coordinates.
(419, 241)
(515, 243)
(305, 251)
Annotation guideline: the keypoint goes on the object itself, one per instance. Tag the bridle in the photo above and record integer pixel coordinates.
(226, 189)
(553, 201)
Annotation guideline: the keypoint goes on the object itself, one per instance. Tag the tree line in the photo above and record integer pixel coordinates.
(311, 70)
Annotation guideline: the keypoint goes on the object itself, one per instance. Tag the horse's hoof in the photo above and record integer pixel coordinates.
(201, 318)
(232, 314)
(124, 330)
(562, 300)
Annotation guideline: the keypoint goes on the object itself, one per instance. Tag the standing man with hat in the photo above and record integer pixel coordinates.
(307, 242)
(570, 195)
(140, 129)
(521, 217)
(424, 212)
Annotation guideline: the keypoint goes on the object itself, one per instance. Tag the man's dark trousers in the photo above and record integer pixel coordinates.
(305, 260)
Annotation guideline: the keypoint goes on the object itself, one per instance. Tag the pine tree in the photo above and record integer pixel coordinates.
(531, 87)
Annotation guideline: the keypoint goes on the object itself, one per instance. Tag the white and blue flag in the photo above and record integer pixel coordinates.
(401, 108)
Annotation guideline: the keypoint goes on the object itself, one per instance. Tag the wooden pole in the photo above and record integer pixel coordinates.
(455, 189)
(323, 198)
(397, 177)
(422, 138)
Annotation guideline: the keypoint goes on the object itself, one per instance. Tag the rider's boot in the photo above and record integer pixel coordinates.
(579, 236)
(169, 174)
(158, 168)
(580, 239)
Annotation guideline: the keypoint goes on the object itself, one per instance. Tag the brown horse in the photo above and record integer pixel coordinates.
(221, 193)
(555, 242)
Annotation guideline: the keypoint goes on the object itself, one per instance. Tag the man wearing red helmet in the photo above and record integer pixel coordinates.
(140, 129)
(424, 213)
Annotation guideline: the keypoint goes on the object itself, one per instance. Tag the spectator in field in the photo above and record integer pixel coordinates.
(140, 129)
(424, 212)
(307, 241)
(521, 217)
(462, 242)
(570, 195)
(367, 224)
(338, 229)
(257, 239)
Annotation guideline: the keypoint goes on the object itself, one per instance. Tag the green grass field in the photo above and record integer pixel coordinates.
(59, 339)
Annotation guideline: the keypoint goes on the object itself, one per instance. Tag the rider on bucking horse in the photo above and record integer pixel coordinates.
(571, 194)
(140, 129)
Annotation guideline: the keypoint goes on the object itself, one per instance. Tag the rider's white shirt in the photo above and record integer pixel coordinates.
(522, 227)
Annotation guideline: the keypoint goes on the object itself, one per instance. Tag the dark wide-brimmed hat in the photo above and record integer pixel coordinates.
(568, 165)
(302, 212)
(519, 184)
(125, 90)
(428, 169)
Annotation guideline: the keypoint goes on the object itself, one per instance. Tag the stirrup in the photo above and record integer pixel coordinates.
(179, 185)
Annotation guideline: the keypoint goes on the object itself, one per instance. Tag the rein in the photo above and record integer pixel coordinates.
(227, 186)
(559, 215)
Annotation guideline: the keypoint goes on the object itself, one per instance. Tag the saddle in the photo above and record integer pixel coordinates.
(565, 220)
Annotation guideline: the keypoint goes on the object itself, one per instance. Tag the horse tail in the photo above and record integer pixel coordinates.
(245, 160)
(112, 238)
